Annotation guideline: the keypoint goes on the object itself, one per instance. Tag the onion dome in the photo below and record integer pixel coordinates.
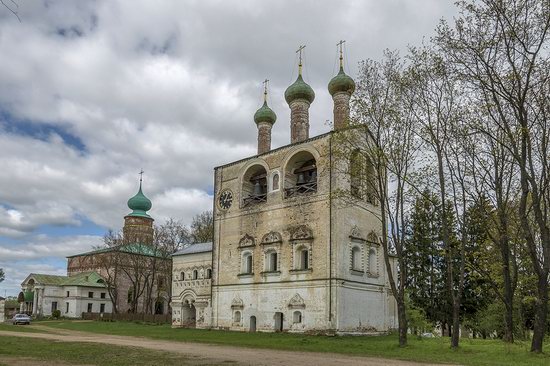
(139, 204)
(341, 83)
(265, 114)
(299, 90)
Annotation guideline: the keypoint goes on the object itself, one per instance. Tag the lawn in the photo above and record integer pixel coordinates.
(19, 328)
(83, 353)
(472, 351)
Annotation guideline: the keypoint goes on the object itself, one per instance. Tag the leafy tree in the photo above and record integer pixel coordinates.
(202, 228)
(2, 275)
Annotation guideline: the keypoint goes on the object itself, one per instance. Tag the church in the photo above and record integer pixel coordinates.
(287, 255)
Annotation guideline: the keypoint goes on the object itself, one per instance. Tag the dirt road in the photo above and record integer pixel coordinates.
(215, 353)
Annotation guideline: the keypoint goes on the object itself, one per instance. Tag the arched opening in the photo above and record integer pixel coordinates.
(372, 262)
(195, 274)
(188, 314)
(297, 317)
(247, 263)
(301, 175)
(237, 317)
(371, 181)
(302, 258)
(182, 276)
(209, 273)
(271, 261)
(278, 317)
(356, 258)
(356, 171)
(252, 324)
(275, 182)
(254, 189)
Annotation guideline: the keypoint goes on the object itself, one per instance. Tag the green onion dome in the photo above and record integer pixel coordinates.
(341, 83)
(139, 204)
(265, 114)
(299, 90)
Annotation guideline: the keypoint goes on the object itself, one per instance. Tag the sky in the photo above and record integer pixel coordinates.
(94, 91)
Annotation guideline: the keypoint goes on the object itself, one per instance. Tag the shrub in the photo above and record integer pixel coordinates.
(56, 314)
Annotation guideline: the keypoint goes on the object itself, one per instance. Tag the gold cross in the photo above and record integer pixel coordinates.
(141, 175)
(265, 89)
(299, 51)
(339, 44)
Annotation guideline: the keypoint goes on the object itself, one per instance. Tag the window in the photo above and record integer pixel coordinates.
(182, 276)
(356, 258)
(101, 308)
(300, 176)
(254, 188)
(66, 307)
(68, 293)
(130, 295)
(275, 182)
(208, 273)
(297, 317)
(247, 263)
(90, 307)
(237, 317)
(54, 306)
(356, 174)
(371, 180)
(103, 295)
(90, 295)
(271, 261)
(195, 274)
(303, 257)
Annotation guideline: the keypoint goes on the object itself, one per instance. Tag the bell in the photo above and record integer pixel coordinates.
(301, 179)
(257, 188)
(313, 176)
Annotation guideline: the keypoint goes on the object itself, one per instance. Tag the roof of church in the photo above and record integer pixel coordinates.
(136, 248)
(139, 204)
(195, 248)
(87, 279)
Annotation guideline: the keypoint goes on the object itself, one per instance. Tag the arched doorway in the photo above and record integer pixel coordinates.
(159, 307)
(252, 323)
(188, 314)
(278, 317)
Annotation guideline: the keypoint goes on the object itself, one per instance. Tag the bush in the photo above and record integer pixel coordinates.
(56, 314)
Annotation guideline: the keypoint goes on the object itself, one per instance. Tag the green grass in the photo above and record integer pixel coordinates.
(19, 328)
(472, 351)
(86, 353)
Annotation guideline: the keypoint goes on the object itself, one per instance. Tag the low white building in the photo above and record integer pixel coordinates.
(2, 310)
(73, 295)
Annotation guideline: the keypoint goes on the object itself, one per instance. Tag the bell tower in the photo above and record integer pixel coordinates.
(138, 225)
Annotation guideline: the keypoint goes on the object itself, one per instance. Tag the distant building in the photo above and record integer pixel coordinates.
(287, 254)
(42, 294)
(2, 309)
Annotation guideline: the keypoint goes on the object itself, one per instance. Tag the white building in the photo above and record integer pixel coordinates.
(73, 295)
(2, 309)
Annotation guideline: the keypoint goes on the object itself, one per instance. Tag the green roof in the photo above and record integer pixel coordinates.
(136, 248)
(265, 114)
(87, 279)
(139, 204)
(341, 83)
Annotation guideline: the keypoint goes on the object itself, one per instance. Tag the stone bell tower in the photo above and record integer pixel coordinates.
(341, 87)
(299, 97)
(138, 225)
(264, 118)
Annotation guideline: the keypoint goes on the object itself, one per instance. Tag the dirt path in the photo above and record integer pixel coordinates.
(214, 353)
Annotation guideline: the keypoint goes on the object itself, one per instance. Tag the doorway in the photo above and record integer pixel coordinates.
(278, 322)
(188, 315)
(252, 324)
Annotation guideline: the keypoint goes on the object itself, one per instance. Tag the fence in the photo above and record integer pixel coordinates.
(149, 318)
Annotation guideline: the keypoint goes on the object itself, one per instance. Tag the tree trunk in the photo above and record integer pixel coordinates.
(540, 316)
(455, 335)
(402, 317)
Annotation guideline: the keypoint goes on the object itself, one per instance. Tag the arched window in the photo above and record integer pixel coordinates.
(237, 317)
(130, 295)
(209, 273)
(247, 263)
(372, 262)
(300, 175)
(182, 276)
(371, 180)
(195, 274)
(302, 258)
(356, 258)
(297, 317)
(254, 189)
(275, 182)
(271, 261)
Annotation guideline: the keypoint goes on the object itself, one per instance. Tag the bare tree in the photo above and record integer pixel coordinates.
(500, 47)
(202, 227)
(12, 6)
(107, 259)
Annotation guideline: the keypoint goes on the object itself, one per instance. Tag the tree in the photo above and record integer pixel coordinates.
(109, 264)
(2, 275)
(500, 49)
(202, 228)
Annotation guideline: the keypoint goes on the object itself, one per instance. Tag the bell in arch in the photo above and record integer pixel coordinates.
(301, 179)
(313, 176)
(257, 188)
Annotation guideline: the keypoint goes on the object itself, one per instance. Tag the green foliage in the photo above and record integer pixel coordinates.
(417, 321)
(202, 227)
(56, 314)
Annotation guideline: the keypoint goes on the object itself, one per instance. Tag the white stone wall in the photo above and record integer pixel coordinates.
(2, 310)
